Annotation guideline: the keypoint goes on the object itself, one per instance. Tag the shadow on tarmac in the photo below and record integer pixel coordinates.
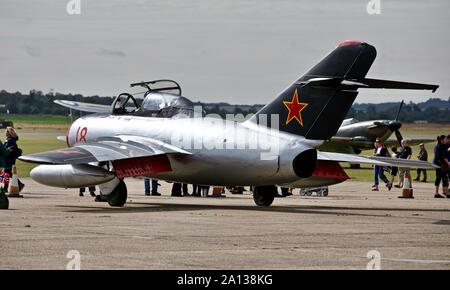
(140, 207)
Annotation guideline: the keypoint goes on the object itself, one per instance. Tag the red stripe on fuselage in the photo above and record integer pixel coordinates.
(141, 166)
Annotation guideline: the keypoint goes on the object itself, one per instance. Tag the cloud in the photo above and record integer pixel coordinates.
(33, 51)
(110, 52)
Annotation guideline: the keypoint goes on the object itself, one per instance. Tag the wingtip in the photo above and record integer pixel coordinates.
(350, 42)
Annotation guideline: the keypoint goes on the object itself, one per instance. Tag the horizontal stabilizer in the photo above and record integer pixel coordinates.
(374, 160)
(406, 163)
(386, 84)
(341, 83)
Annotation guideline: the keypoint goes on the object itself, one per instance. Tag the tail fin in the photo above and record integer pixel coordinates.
(315, 105)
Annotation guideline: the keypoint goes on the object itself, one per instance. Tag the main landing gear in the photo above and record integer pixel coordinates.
(118, 197)
(264, 195)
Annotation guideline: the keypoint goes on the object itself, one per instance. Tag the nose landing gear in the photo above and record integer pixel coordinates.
(264, 195)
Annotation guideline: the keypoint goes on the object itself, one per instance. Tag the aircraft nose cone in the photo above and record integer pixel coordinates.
(394, 125)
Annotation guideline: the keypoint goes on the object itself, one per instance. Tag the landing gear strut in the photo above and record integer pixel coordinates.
(118, 197)
(264, 195)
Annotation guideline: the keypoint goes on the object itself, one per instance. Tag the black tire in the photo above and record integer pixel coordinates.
(118, 197)
(264, 195)
(4, 202)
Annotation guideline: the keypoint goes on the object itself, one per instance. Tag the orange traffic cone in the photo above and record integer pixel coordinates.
(13, 188)
(407, 191)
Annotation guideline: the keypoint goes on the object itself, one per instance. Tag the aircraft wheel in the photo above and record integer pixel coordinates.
(264, 195)
(118, 197)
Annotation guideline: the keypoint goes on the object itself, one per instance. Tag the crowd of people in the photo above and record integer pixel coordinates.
(9, 152)
(441, 159)
(178, 189)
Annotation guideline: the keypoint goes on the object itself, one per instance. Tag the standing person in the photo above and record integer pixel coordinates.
(154, 189)
(405, 153)
(91, 191)
(205, 190)
(196, 190)
(380, 150)
(285, 191)
(176, 189)
(185, 189)
(13, 153)
(3, 155)
(4, 203)
(439, 160)
(447, 173)
(423, 155)
(394, 169)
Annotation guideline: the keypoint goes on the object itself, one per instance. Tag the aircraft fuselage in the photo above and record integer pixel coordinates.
(363, 129)
(223, 152)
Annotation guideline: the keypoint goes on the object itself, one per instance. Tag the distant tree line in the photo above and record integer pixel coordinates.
(410, 112)
(37, 102)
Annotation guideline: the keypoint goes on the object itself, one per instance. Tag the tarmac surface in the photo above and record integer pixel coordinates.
(334, 232)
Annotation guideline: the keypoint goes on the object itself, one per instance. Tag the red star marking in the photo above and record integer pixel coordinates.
(295, 108)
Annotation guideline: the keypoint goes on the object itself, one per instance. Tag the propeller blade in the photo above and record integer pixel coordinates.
(399, 137)
(399, 109)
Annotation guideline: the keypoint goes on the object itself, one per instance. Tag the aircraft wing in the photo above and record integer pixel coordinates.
(375, 160)
(346, 144)
(115, 148)
(84, 107)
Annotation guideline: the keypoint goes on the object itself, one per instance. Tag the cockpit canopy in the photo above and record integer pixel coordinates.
(165, 105)
(163, 99)
(349, 121)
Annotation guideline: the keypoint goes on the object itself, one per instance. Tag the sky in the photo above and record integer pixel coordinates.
(241, 52)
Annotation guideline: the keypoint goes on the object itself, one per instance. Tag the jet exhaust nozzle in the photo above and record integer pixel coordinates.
(305, 163)
(71, 176)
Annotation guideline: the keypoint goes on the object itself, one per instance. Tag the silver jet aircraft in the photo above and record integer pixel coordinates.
(166, 138)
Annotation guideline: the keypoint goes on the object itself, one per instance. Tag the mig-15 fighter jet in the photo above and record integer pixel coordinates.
(166, 138)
